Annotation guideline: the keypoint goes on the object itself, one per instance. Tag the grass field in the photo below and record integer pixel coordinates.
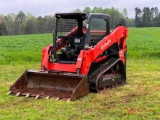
(138, 99)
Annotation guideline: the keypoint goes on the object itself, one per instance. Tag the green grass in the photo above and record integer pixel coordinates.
(23, 48)
(144, 43)
(138, 99)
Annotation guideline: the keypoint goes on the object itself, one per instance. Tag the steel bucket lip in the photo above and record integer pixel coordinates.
(55, 73)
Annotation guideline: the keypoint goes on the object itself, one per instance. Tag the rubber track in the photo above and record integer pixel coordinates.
(93, 78)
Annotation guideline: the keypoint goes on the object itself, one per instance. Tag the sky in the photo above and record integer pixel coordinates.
(49, 7)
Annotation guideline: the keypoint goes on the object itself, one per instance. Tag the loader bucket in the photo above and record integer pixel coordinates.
(67, 86)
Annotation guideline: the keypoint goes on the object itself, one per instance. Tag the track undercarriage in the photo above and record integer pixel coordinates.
(109, 74)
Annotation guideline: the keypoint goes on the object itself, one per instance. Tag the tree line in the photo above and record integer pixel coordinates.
(21, 23)
(147, 17)
(116, 17)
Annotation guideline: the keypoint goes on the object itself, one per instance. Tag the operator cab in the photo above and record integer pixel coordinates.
(74, 31)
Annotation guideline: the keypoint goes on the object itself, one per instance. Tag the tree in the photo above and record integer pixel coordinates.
(146, 17)
(30, 24)
(156, 21)
(122, 21)
(87, 10)
(124, 13)
(49, 23)
(1, 18)
(10, 23)
(130, 22)
(124, 17)
(98, 10)
(3, 30)
(138, 17)
(115, 17)
(156, 11)
(21, 17)
(41, 24)
(20, 21)
(152, 12)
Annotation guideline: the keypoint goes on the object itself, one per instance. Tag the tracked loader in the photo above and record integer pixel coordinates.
(85, 56)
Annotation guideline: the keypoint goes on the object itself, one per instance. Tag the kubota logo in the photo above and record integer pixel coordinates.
(106, 44)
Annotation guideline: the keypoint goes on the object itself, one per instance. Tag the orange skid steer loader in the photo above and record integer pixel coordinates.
(85, 56)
